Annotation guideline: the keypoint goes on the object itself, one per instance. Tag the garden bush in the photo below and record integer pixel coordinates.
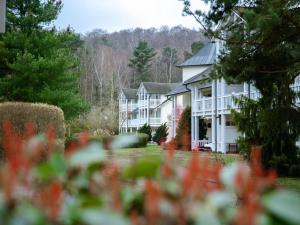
(161, 134)
(140, 140)
(183, 131)
(85, 186)
(146, 129)
(40, 116)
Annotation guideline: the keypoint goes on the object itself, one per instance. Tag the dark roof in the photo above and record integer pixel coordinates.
(178, 90)
(199, 77)
(130, 93)
(206, 56)
(159, 88)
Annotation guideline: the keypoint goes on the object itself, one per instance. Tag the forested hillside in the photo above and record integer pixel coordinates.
(105, 58)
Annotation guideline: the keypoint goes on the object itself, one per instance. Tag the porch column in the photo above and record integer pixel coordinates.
(197, 128)
(223, 127)
(214, 115)
(139, 111)
(126, 115)
(174, 116)
(148, 109)
(193, 132)
(223, 107)
(145, 109)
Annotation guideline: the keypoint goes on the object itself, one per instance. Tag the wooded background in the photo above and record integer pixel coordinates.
(105, 58)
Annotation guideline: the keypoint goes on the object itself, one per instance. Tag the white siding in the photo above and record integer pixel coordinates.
(188, 72)
(166, 116)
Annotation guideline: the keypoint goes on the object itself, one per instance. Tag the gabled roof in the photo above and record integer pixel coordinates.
(178, 90)
(206, 56)
(199, 77)
(159, 88)
(130, 93)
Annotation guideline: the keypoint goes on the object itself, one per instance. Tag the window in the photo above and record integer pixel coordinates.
(230, 124)
(206, 92)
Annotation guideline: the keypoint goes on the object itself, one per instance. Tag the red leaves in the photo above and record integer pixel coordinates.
(170, 198)
(152, 203)
(22, 155)
(202, 175)
(49, 198)
(250, 184)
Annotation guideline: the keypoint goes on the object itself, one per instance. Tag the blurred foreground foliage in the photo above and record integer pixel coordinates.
(86, 186)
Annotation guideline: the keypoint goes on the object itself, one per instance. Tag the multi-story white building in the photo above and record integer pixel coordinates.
(147, 104)
(212, 100)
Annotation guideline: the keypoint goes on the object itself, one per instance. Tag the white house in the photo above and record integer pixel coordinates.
(212, 100)
(147, 104)
(128, 120)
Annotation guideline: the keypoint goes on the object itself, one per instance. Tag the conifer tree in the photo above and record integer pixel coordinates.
(37, 62)
(140, 63)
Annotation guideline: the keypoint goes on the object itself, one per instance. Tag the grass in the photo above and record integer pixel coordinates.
(291, 183)
(130, 155)
(182, 157)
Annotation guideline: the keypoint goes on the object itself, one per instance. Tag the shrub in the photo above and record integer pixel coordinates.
(142, 141)
(183, 131)
(106, 141)
(87, 186)
(40, 116)
(146, 129)
(161, 134)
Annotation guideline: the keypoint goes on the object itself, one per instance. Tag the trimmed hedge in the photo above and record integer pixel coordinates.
(142, 141)
(41, 116)
(106, 141)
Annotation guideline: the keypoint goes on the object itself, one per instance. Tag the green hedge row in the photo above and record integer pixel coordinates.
(106, 141)
(41, 116)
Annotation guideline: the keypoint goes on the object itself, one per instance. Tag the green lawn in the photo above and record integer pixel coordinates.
(292, 183)
(130, 155)
(182, 157)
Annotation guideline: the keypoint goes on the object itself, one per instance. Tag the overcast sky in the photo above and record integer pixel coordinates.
(115, 15)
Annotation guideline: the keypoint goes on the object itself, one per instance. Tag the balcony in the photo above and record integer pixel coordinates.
(204, 106)
(131, 107)
(154, 121)
(152, 104)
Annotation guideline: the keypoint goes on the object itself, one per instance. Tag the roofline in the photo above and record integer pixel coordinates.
(122, 90)
(182, 92)
(195, 81)
(180, 66)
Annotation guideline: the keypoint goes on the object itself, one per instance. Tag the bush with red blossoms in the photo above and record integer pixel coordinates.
(86, 186)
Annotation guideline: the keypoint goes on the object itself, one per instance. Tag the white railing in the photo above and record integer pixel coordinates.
(133, 122)
(199, 143)
(155, 120)
(225, 103)
(130, 107)
(152, 120)
(154, 102)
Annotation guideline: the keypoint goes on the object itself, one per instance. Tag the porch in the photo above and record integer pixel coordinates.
(221, 134)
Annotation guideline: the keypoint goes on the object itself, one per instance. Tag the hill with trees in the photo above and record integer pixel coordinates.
(106, 58)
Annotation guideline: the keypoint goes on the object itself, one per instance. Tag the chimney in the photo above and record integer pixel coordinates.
(2, 15)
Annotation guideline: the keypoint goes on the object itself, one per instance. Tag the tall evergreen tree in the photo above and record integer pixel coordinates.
(37, 62)
(262, 47)
(140, 63)
(195, 47)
